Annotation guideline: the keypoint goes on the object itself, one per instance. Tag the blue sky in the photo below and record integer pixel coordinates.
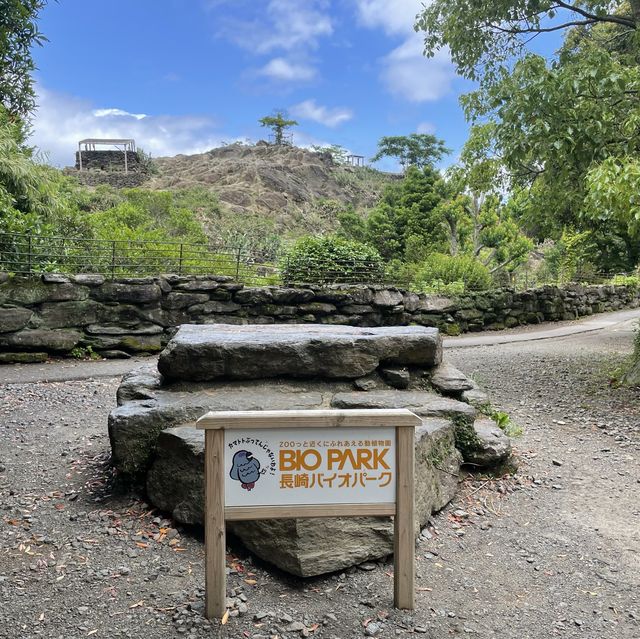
(183, 76)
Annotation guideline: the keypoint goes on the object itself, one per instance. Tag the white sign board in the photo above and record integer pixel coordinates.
(299, 466)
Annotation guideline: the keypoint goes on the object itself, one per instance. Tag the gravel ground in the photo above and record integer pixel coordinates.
(552, 551)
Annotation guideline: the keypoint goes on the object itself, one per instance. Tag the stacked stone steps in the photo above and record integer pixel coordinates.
(258, 368)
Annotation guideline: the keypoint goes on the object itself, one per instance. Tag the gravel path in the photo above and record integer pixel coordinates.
(553, 551)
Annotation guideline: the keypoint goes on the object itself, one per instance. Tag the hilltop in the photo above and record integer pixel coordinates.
(296, 189)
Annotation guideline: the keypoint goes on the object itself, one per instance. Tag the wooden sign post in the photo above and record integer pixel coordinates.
(308, 463)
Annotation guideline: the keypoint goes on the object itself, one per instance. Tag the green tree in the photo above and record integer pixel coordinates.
(407, 219)
(18, 34)
(565, 131)
(278, 123)
(418, 149)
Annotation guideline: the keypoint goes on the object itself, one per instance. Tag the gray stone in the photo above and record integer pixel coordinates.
(29, 291)
(435, 304)
(420, 402)
(198, 285)
(127, 291)
(134, 426)
(253, 295)
(14, 319)
(130, 343)
(89, 279)
(449, 380)
(251, 352)
(115, 354)
(318, 308)
(476, 397)
(399, 378)
(39, 339)
(177, 299)
(55, 278)
(490, 446)
(282, 295)
(305, 547)
(149, 329)
(23, 358)
(215, 307)
(387, 297)
(140, 383)
(68, 314)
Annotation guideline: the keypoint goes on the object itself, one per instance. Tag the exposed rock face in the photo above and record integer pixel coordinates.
(305, 547)
(202, 353)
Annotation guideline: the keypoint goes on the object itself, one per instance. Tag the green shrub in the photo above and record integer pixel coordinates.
(452, 274)
(331, 259)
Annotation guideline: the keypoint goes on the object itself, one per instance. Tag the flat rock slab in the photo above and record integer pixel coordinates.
(420, 402)
(305, 547)
(203, 353)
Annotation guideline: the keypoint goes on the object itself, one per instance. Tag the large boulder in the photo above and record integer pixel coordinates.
(217, 351)
(305, 547)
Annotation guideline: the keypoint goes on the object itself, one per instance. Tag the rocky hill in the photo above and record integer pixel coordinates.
(289, 185)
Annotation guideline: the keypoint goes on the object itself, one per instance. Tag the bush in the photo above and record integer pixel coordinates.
(331, 259)
(452, 274)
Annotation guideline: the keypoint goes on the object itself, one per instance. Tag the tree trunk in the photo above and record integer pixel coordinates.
(635, 11)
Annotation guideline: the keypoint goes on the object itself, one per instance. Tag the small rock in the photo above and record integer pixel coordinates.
(372, 629)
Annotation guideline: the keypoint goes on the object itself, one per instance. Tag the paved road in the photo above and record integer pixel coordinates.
(65, 370)
(543, 331)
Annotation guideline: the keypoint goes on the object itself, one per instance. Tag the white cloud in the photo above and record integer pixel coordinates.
(61, 121)
(105, 113)
(282, 70)
(309, 110)
(393, 16)
(284, 24)
(409, 75)
(426, 127)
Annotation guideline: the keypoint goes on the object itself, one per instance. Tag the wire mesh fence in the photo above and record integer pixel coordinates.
(33, 254)
(29, 254)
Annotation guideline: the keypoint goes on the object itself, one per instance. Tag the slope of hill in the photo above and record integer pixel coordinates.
(288, 186)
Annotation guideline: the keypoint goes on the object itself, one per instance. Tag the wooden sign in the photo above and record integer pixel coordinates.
(309, 463)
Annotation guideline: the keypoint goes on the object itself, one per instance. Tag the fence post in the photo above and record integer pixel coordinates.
(180, 262)
(238, 265)
(113, 259)
(29, 264)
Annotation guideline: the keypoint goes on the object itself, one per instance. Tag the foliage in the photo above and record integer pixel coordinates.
(405, 219)
(18, 34)
(565, 131)
(439, 270)
(278, 123)
(506, 424)
(337, 152)
(418, 149)
(570, 259)
(146, 162)
(331, 259)
(484, 37)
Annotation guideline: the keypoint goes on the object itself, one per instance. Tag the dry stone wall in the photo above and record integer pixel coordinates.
(57, 314)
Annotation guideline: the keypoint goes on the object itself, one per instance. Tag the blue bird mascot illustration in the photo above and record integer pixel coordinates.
(245, 468)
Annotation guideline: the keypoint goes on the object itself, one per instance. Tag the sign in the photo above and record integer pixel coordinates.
(308, 463)
(295, 466)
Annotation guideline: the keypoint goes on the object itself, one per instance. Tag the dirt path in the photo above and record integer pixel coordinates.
(554, 551)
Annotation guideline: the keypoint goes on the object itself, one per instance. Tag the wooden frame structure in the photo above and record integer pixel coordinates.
(126, 144)
(216, 423)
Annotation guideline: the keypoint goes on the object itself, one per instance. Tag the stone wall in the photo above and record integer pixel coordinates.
(117, 179)
(107, 160)
(57, 314)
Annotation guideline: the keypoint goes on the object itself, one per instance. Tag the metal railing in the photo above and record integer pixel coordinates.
(34, 254)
